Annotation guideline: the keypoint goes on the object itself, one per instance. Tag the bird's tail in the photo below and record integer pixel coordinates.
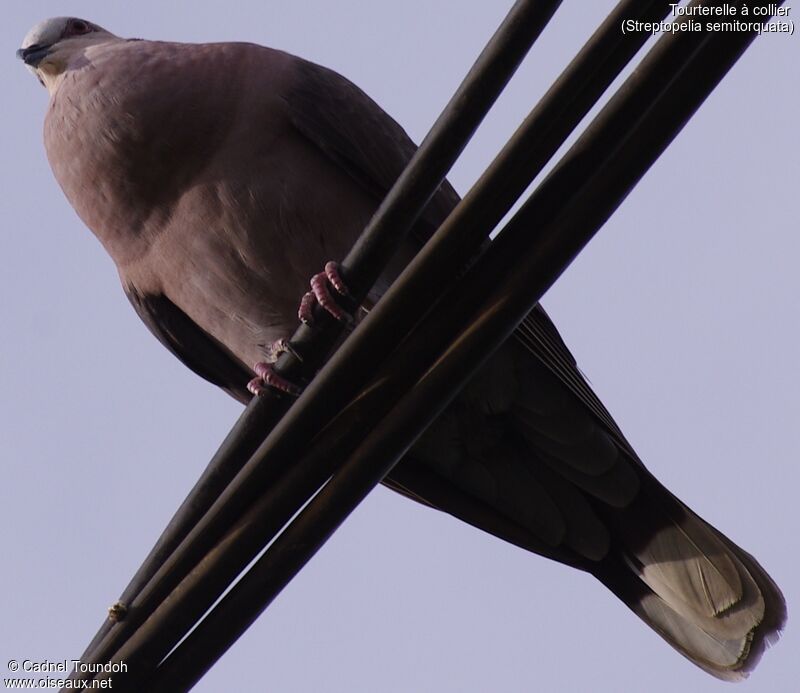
(704, 595)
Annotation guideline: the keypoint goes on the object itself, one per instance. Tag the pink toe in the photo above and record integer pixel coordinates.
(335, 278)
(306, 310)
(267, 376)
(256, 387)
(319, 287)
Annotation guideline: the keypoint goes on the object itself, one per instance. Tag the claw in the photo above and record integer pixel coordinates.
(267, 377)
(321, 294)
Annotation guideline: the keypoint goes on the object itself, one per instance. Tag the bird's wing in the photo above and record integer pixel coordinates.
(190, 343)
(359, 137)
(539, 336)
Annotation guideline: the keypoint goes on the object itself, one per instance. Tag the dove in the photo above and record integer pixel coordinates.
(219, 177)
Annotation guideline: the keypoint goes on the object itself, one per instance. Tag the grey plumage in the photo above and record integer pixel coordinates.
(219, 177)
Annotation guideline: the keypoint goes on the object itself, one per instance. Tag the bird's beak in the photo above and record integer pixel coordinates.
(33, 55)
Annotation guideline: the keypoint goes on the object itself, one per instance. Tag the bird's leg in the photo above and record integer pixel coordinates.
(267, 377)
(321, 294)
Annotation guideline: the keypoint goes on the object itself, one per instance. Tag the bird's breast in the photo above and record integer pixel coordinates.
(126, 137)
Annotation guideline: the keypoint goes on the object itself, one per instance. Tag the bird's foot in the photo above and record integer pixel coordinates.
(321, 294)
(267, 377)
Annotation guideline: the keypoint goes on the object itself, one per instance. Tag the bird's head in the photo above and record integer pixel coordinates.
(50, 45)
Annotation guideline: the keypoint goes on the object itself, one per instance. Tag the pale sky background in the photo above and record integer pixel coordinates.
(683, 313)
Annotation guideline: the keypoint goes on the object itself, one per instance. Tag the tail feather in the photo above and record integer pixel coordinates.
(719, 657)
(690, 567)
(704, 595)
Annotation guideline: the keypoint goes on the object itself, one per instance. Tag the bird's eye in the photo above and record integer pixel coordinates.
(77, 27)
